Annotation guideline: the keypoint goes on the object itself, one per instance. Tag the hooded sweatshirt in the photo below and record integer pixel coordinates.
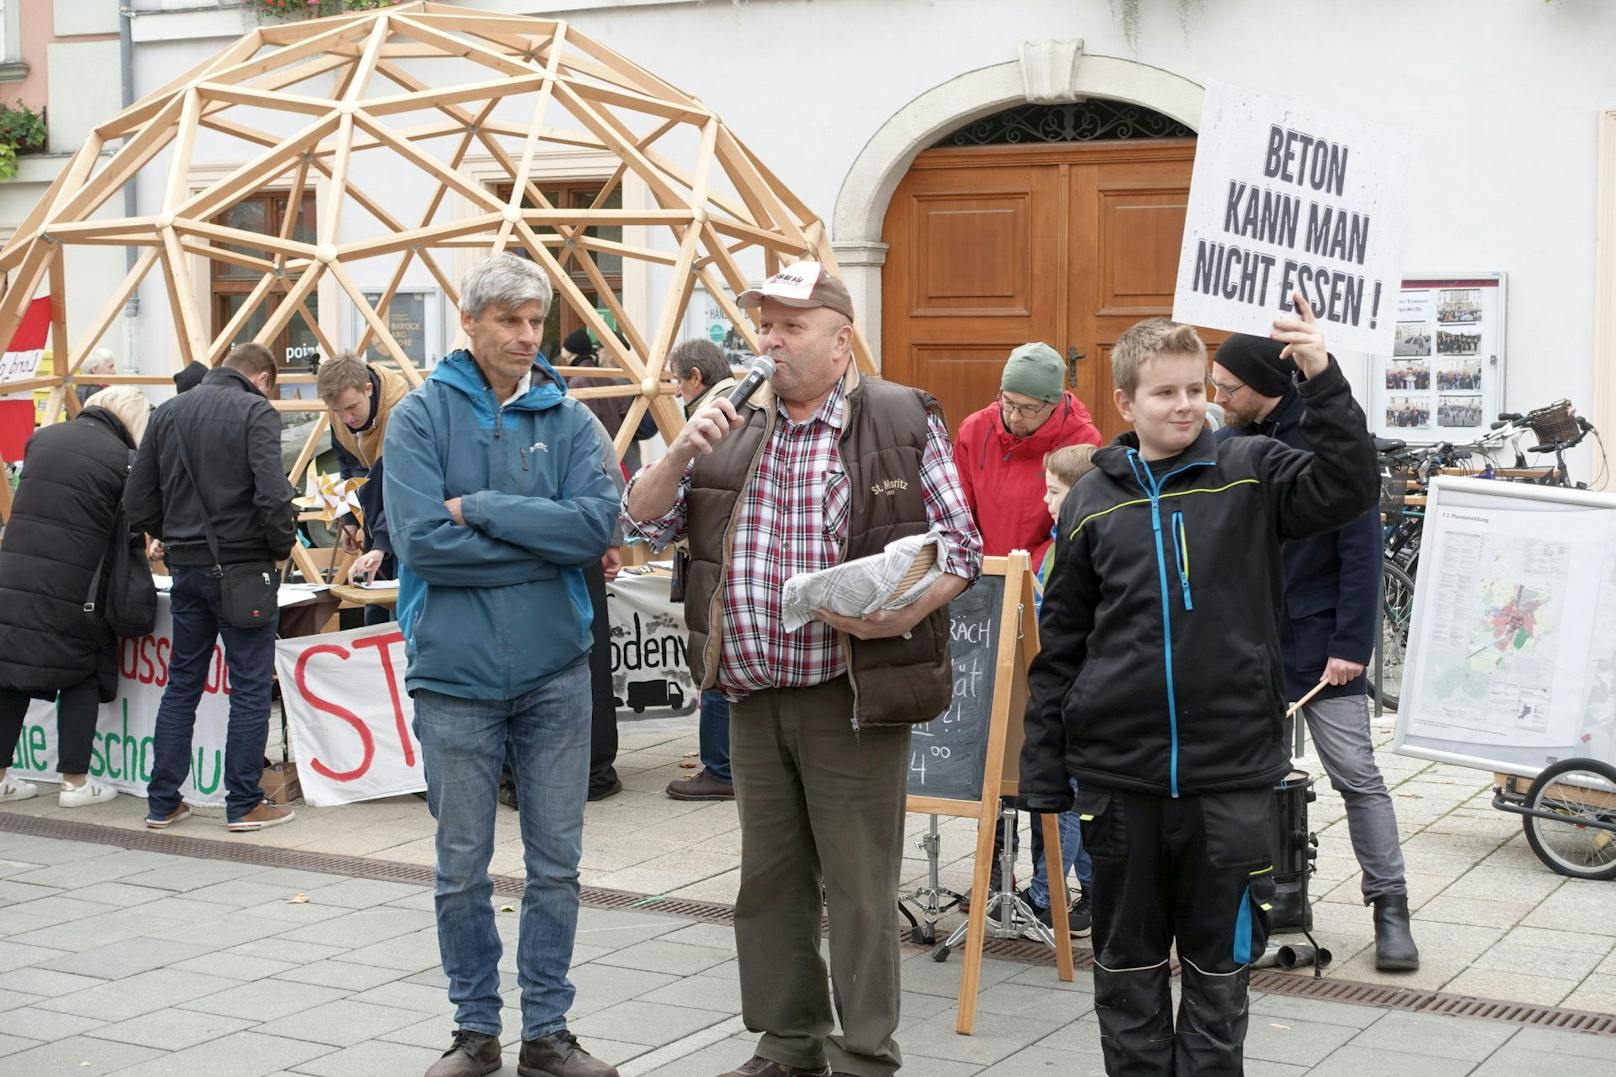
(491, 609)
(1003, 475)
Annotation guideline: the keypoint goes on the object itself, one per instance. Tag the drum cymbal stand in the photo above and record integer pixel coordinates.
(1007, 915)
(932, 899)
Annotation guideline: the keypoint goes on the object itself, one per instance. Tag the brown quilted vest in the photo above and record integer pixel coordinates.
(895, 681)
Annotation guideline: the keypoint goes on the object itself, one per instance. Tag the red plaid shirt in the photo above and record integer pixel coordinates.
(793, 518)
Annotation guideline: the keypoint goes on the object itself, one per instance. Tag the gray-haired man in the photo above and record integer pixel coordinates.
(497, 501)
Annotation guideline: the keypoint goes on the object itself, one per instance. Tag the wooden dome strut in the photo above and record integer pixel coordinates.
(343, 84)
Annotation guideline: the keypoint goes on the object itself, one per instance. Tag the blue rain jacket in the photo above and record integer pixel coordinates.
(491, 609)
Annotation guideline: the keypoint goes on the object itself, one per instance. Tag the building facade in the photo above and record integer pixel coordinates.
(997, 172)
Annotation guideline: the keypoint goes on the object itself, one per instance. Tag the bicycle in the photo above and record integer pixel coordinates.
(1569, 815)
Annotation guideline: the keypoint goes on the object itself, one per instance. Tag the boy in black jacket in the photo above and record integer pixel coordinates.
(1160, 684)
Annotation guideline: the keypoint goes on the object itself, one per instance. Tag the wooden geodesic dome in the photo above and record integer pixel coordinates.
(378, 112)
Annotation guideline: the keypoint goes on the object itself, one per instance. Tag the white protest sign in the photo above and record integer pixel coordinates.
(649, 651)
(1285, 198)
(27, 345)
(349, 715)
(123, 754)
(351, 718)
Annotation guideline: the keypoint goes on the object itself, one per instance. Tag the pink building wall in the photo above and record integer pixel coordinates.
(37, 31)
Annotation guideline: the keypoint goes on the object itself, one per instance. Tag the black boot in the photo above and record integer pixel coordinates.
(1394, 944)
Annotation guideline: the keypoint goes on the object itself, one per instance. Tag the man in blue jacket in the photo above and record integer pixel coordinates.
(1332, 582)
(497, 502)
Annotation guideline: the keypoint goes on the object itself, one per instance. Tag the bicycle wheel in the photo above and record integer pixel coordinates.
(1580, 843)
(1396, 611)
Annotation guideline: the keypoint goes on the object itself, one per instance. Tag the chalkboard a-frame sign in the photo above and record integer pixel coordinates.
(965, 759)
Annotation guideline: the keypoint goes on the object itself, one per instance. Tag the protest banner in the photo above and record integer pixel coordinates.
(349, 715)
(122, 753)
(27, 346)
(1287, 198)
(650, 656)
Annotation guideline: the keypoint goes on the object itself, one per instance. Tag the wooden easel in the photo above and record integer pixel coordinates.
(1017, 643)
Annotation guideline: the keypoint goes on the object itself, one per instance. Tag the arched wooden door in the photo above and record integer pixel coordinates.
(994, 246)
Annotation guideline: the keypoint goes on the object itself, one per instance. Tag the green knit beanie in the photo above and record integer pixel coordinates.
(1035, 370)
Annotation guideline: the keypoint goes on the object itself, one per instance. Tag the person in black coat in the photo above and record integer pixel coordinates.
(1332, 583)
(61, 527)
(208, 482)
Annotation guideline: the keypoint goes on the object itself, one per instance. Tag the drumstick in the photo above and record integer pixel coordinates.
(1300, 703)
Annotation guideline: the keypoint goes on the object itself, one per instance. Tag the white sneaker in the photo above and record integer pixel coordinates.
(91, 792)
(17, 789)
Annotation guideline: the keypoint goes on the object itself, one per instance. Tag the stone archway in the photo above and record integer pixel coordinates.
(1047, 72)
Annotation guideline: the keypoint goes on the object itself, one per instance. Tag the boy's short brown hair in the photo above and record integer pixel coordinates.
(1146, 339)
(339, 374)
(1070, 462)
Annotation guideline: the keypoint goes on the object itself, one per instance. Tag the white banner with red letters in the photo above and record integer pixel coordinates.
(122, 753)
(27, 346)
(350, 717)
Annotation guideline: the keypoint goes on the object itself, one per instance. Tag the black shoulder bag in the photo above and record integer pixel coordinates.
(130, 607)
(247, 591)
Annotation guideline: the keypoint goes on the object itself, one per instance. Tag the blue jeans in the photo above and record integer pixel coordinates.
(463, 743)
(250, 654)
(1073, 855)
(714, 734)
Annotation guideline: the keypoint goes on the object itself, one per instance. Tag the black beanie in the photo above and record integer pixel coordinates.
(578, 343)
(191, 376)
(1256, 362)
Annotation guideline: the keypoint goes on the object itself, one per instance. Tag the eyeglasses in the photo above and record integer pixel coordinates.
(1026, 411)
(1227, 390)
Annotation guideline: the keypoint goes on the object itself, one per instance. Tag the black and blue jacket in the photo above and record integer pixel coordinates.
(1160, 667)
(1332, 581)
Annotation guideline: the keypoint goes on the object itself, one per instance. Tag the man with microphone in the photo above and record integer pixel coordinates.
(818, 466)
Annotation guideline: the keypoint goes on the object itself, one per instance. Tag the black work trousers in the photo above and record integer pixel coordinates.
(1195, 871)
(603, 712)
(77, 710)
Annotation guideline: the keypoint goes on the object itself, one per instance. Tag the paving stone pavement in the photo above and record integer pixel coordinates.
(1491, 920)
(142, 964)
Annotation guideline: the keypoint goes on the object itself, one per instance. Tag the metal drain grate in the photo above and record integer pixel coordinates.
(1297, 985)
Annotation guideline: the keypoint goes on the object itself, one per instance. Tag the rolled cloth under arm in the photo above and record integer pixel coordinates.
(889, 580)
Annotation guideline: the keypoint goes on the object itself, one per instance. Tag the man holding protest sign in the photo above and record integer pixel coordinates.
(1176, 756)
(498, 501)
(1332, 584)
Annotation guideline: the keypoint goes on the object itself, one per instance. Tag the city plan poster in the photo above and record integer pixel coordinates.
(1511, 659)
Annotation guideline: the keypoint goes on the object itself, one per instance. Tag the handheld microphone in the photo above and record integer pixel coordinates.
(761, 370)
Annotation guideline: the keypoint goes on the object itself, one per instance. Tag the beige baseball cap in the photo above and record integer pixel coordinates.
(802, 284)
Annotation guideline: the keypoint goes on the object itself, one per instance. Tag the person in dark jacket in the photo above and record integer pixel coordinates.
(1159, 684)
(62, 526)
(703, 375)
(212, 457)
(1332, 583)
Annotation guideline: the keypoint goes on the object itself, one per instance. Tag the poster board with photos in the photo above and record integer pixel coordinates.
(1444, 380)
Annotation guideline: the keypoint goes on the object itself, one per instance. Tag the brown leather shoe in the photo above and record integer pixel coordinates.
(265, 814)
(701, 786)
(558, 1055)
(472, 1054)
(768, 1067)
